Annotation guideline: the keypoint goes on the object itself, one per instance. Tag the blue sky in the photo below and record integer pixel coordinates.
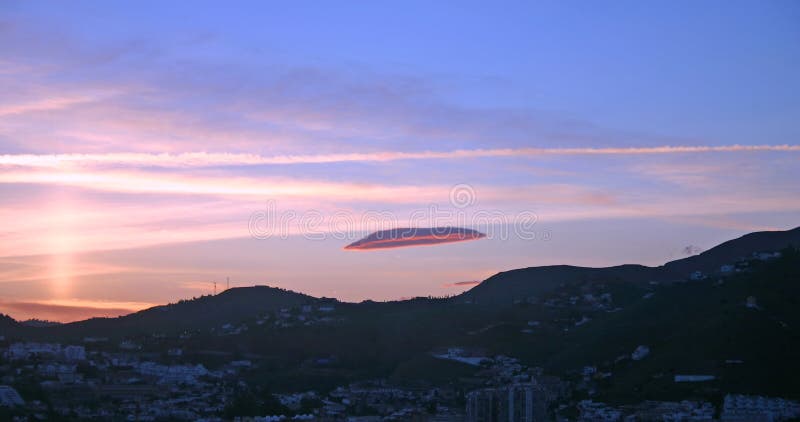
(675, 121)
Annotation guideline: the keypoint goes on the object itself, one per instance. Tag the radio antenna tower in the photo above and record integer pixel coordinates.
(228, 286)
(215, 288)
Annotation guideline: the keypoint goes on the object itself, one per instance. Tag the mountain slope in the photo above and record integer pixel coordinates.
(731, 251)
(522, 284)
(8, 325)
(699, 328)
(230, 306)
(506, 287)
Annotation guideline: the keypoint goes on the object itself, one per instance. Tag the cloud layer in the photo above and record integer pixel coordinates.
(203, 159)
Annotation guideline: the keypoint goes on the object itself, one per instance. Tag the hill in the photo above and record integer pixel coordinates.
(7, 323)
(698, 328)
(731, 251)
(524, 284)
(230, 306)
(531, 283)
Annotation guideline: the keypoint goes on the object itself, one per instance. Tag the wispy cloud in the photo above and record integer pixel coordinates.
(204, 159)
(285, 188)
(44, 104)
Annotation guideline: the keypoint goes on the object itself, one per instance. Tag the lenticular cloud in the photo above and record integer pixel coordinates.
(406, 237)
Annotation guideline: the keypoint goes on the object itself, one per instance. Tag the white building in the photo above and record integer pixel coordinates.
(594, 411)
(458, 354)
(53, 369)
(128, 345)
(186, 374)
(9, 397)
(75, 353)
(640, 353)
(584, 320)
(28, 350)
(766, 256)
(740, 408)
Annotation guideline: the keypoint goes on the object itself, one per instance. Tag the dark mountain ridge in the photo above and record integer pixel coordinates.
(230, 306)
(732, 250)
(501, 289)
(527, 283)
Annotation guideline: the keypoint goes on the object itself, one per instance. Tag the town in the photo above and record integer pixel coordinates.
(89, 382)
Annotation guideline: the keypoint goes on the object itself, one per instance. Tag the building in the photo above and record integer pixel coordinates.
(523, 402)
(9, 397)
(31, 350)
(640, 353)
(595, 411)
(174, 374)
(741, 408)
(689, 411)
(483, 406)
(766, 256)
(75, 353)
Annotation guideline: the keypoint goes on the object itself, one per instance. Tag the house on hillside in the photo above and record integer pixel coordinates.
(737, 407)
(640, 353)
(696, 276)
(766, 256)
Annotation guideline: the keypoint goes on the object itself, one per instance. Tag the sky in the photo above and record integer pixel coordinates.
(151, 149)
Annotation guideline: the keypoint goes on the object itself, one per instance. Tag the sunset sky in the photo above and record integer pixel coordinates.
(149, 149)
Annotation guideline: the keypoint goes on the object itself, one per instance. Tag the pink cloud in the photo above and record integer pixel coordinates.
(400, 238)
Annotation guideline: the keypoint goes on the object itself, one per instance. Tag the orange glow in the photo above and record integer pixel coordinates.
(62, 244)
(68, 310)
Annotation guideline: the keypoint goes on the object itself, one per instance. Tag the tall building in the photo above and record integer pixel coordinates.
(520, 403)
(512, 403)
(483, 405)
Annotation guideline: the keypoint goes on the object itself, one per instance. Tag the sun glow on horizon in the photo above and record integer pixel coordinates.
(63, 244)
